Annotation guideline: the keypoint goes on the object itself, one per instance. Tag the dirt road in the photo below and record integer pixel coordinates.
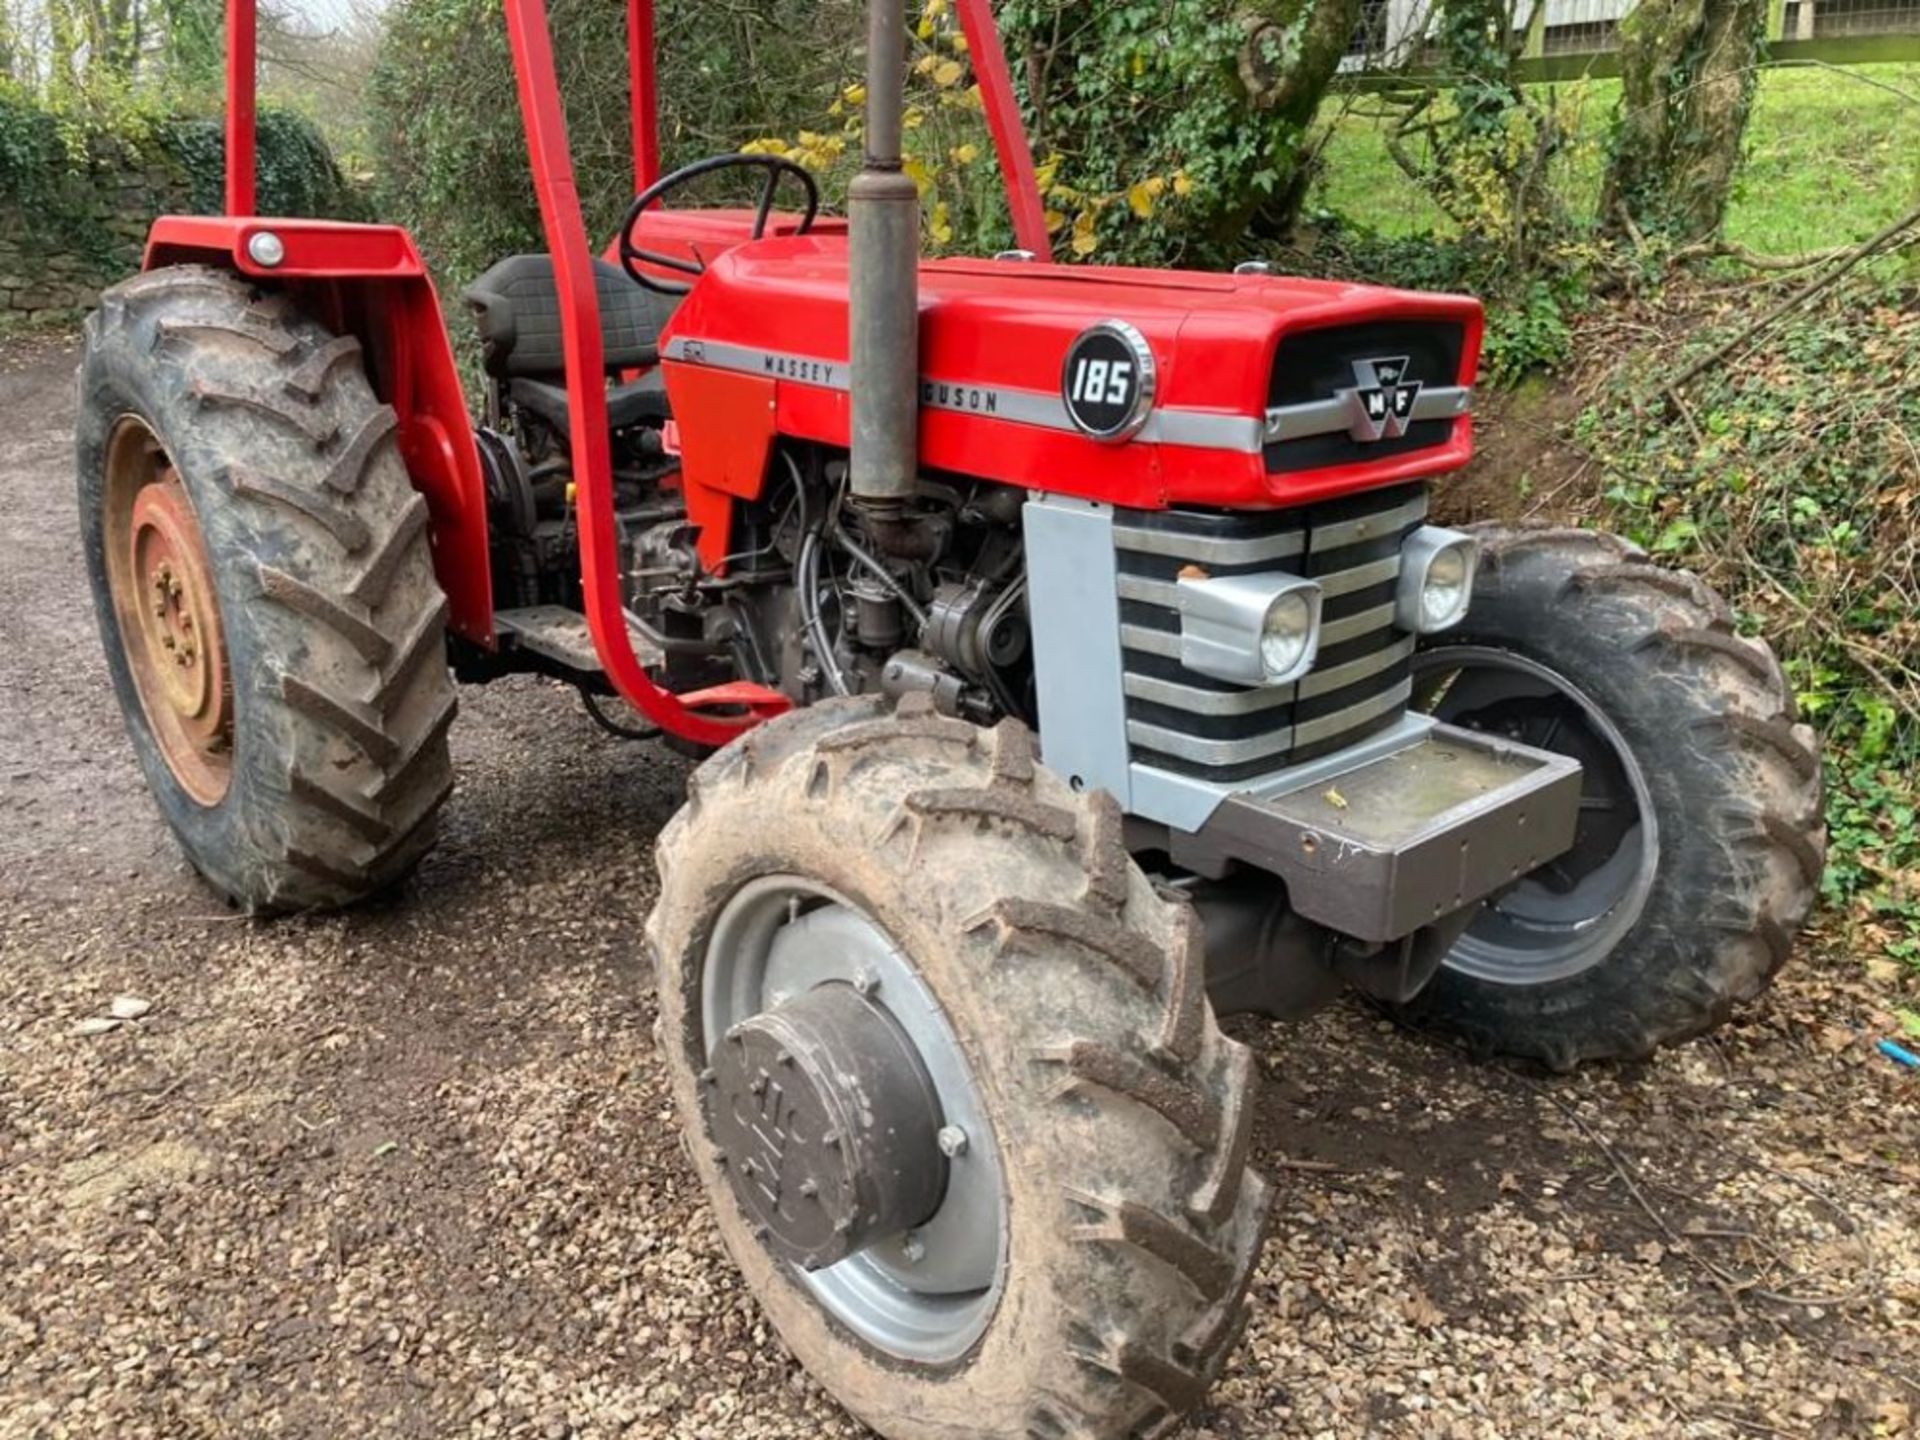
(412, 1171)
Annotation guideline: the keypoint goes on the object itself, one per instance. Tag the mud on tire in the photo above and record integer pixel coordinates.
(1121, 1114)
(1733, 778)
(317, 546)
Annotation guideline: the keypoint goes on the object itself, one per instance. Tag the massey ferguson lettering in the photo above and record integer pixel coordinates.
(807, 372)
(972, 399)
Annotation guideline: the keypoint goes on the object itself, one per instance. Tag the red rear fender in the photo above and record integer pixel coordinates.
(368, 281)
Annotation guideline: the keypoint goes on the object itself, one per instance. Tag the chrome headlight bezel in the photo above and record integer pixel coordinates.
(1223, 625)
(1426, 548)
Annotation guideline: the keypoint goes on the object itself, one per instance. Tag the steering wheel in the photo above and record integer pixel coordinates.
(632, 256)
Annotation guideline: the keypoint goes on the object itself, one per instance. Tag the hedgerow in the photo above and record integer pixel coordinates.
(1787, 473)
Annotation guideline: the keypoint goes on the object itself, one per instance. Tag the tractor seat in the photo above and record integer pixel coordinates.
(642, 401)
(516, 308)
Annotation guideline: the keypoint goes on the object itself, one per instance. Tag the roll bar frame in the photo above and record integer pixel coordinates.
(692, 716)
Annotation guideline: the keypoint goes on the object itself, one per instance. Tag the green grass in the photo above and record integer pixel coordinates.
(1832, 157)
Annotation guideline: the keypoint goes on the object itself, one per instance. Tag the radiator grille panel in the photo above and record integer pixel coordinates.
(1193, 724)
(1316, 365)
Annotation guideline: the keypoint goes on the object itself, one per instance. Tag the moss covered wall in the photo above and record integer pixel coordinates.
(76, 199)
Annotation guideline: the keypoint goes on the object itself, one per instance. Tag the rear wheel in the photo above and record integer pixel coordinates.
(264, 589)
(1700, 842)
(946, 1064)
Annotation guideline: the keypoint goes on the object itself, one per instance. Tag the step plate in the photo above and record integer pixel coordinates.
(1380, 850)
(561, 635)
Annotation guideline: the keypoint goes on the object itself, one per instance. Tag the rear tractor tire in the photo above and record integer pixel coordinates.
(1700, 842)
(947, 1069)
(262, 581)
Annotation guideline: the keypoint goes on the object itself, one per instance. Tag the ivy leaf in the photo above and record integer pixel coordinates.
(1084, 242)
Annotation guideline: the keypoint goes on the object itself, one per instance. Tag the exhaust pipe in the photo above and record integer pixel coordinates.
(883, 207)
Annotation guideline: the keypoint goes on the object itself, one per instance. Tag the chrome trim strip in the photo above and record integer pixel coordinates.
(1194, 701)
(1175, 696)
(1210, 752)
(1274, 742)
(1211, 550)
(1359, 577)
(1365, 622)
(1334, 415)
(751, 360)
(1152, 592)
(1342, 582)
(1167, 642)
(1340, 721)
(1338, 677)
(1202, 429)
(1370, 526)
(1166, 425)
(1152, 642)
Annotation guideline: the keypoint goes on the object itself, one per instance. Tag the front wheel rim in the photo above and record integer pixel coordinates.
(168, 612)
(1566, 917)
(923, 1295)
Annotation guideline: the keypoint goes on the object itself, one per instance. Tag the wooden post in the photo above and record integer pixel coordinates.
(1536, 45)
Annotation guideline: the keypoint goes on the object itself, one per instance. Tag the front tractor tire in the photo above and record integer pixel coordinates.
(262, 582)
(947, 1069)
(1700, 842)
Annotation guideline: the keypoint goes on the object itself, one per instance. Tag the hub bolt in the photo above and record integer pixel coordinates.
(866, 982)
(913, 1248)
(953, 1141)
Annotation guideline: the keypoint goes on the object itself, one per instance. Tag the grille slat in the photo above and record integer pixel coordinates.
(1198, 725)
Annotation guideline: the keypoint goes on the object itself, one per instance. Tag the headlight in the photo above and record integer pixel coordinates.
(1436, 579)
(1286, 637)
(1249, 629)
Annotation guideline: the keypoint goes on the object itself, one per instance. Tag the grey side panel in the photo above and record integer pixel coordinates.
(1073, 606)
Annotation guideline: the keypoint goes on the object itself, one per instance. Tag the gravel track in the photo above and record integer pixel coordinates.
(412, 1171)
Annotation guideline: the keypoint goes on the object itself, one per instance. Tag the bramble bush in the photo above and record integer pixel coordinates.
(1791, 482)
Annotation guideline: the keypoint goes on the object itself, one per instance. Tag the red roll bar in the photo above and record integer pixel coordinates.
(644, 97)
(689, 716)
(241, 82)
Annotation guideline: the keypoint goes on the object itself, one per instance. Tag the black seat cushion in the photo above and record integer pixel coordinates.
(516, 306)
(643, 401)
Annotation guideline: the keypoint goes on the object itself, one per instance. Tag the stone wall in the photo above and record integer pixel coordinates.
(59, 251)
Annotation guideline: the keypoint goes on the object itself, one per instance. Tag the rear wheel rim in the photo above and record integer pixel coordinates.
(923, 1295)
(1566, 917)
(168, 610)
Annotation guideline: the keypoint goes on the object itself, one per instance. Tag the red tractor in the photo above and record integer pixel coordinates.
(1076, 658)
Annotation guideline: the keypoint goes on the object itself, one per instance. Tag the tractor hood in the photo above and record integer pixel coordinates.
(1138, 387)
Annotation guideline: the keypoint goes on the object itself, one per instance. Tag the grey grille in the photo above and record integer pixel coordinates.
(1195, 725)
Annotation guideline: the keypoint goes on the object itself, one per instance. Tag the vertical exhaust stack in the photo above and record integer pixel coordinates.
(884, 208)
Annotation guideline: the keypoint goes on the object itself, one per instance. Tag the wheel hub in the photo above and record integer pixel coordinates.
(169, 613)
(827, 1123)
(180, 624)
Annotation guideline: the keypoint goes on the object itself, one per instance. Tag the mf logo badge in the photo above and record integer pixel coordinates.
(1108, 381)
(1381, 403)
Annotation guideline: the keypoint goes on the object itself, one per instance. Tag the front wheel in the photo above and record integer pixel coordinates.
(1700, 844)
(946, 1065)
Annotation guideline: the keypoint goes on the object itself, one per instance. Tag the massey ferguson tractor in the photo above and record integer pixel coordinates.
(1074, 657)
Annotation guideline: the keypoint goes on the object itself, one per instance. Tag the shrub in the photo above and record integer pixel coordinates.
(1791, 481)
